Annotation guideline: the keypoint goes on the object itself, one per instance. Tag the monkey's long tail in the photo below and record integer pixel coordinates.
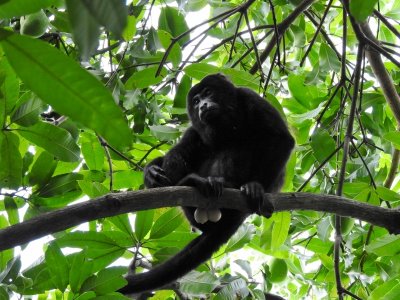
(196, 252)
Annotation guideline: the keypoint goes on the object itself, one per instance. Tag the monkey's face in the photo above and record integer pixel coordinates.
(210, 101)
(204, 106)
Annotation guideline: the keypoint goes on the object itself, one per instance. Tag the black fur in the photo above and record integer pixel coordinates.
(237, 140)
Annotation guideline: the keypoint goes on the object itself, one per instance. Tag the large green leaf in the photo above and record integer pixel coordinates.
(27, 113)
(42, 168)
(81, 269)
(394, 137)
(240, 238)
(92, 151)
(9, 88)
(322, 144)
(175, 53)
(58, 266)
(197, 284)
(55, 140)
(85, 29)
(387, 245)
(306, 94)
(165, 133)
(166, 223)
(361, 9)
(280, 229)
(146, 77)
(143, 222)
(200, 70)
(60, 184)
(97, 244)
(16, 8)
(10, 161)
(62, 83)
(389, 290)
(105, 281)
(112, 14)
(328, 59)
(173, 21)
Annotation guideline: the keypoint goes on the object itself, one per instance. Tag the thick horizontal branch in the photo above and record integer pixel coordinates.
(119, 203)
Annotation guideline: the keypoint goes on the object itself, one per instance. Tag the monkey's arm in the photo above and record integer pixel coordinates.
(185, 157)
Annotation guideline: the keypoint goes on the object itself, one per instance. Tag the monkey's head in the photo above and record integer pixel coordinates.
(212, 102)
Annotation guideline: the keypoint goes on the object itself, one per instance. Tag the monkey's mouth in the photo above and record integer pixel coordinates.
(208, 114)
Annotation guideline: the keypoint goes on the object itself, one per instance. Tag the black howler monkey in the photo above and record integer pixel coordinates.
(236, 140)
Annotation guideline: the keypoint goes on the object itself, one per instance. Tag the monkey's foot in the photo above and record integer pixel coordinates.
(254, 192)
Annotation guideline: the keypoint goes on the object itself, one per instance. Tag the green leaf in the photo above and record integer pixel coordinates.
(55, 140)
(75, 92)
(145, 78)
(308, 96)
(393, 137)
(361, 9)
(172, 21)
(242, 78)
(112, 14)
(323, 144)
(92, 151)
(97, 244)
(10, 161)
(165, 253)
(128, 179)
(389, 290)
(61, 21)
(387, 194)
(387, 245)
(60, 184)
(9, 87)
(240, 238)
(122, 223)
(198, 284)
(42, 169)
(372, 99)
(328, 59)
(16, 8)
(106, 281)
(85, 28)
(58, 266)
(143, 223)
(237, 287)
(28, 110)
(92, 189)
(200, 70)
(175, 53)
(130, 29)
(165, 133)
(166, 223)
(3, 293)
(280, 229)
(81, 269)
(10, 265)
(11, 274)
(182, 92)
(12, 210)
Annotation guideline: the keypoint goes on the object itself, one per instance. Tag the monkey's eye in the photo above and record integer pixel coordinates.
(196, 99)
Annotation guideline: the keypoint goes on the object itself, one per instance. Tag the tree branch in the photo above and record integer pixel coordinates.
(280, 30)
(119, 203)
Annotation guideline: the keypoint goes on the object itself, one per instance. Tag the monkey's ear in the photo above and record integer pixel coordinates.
(222, 76)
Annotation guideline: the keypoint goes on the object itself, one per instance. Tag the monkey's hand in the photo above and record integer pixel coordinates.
(254, 192)
(207, 186)
(154, 176)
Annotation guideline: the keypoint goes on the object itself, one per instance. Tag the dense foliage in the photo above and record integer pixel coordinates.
(92, 90)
